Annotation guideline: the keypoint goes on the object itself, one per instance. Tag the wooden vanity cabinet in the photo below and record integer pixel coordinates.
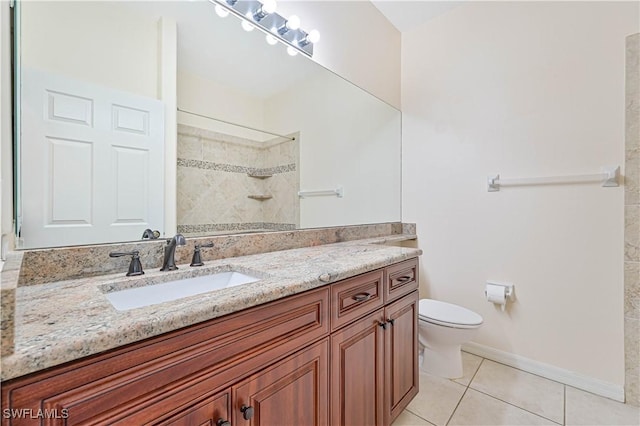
(374, 360)
(152, 380)
(344, 354)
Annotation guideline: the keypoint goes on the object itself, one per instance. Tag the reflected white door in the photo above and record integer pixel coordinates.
(92, 162)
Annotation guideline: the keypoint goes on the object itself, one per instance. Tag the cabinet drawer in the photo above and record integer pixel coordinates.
(355, 297)
(400, 279)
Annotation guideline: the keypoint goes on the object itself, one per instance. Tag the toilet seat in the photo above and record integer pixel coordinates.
(447, 314)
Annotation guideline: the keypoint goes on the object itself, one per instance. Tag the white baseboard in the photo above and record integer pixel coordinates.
(567, 377)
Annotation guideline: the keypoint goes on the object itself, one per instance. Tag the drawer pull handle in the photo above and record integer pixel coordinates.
(223, 422)
(404, 279)
(391, 321)
(382, 324)
(247, 412)
(361, 297)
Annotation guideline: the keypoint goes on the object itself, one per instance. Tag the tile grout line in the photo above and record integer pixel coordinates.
(464, 393)
(564, 386)
(533, 374)
(476, 373)
(513, 405)
(457, 405)
(419, 416)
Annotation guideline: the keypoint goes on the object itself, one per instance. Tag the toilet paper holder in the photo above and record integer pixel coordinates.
(508, 290)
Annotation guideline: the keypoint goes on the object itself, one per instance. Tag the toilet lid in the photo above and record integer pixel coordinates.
(447, 314)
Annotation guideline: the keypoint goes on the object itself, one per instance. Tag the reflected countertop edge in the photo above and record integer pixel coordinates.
(63, 321)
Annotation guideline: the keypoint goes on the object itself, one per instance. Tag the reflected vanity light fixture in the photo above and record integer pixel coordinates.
(267, 7)
(247, 26)
(271, 40)
(263, 15)
(221, 11)
(293, 23)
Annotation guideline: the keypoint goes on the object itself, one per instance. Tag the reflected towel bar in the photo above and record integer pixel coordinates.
(339, 192)
(608, 178)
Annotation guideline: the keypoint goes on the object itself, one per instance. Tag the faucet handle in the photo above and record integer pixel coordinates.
(151, 235)
(135, 267)
(196, 260)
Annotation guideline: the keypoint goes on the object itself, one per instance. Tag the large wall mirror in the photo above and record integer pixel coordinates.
(258, 131)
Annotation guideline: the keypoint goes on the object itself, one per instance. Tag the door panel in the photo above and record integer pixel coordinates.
(401, 355)
(357, 380)
(92, 163)
(292, 393)
(207, 413)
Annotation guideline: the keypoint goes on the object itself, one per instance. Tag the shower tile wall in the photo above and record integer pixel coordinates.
(213, 186)
(632, 223)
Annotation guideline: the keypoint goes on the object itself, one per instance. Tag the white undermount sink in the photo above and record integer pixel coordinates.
(139, 297)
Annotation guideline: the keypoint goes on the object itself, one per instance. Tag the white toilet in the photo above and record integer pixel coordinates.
(442, 328)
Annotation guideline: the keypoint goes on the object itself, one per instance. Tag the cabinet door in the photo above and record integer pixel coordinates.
(213, 411)
(294, 392)
(401, 355)
(357, 381)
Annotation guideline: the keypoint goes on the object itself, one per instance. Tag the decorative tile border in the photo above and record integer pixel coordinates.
(222, 227)
(231, 168)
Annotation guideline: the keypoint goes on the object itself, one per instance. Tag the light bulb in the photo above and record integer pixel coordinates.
(221, 11)
(293, 23)
(313, 36)
(247, 26)
(271, 39)
(292, 51)
(269, 6)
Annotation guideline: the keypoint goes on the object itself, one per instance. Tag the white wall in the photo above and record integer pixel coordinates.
(99, 42)
(207, 97)
(357, 42)
(347, 138)
(522, 89)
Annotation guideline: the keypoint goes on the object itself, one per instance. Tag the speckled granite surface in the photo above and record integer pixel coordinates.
(8, 285)
(64, 263)
(67, 320)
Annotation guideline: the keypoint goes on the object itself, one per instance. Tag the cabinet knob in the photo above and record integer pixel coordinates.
(391, 321)
(382, 324)
(223, 422)
(247, 412)
(404, 279)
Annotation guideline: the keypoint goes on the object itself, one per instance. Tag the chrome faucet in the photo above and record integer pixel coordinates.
(169, 263)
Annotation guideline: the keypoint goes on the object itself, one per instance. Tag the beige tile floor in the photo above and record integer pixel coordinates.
(495, 394)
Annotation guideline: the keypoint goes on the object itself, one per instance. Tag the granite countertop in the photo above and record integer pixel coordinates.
(67, 320)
